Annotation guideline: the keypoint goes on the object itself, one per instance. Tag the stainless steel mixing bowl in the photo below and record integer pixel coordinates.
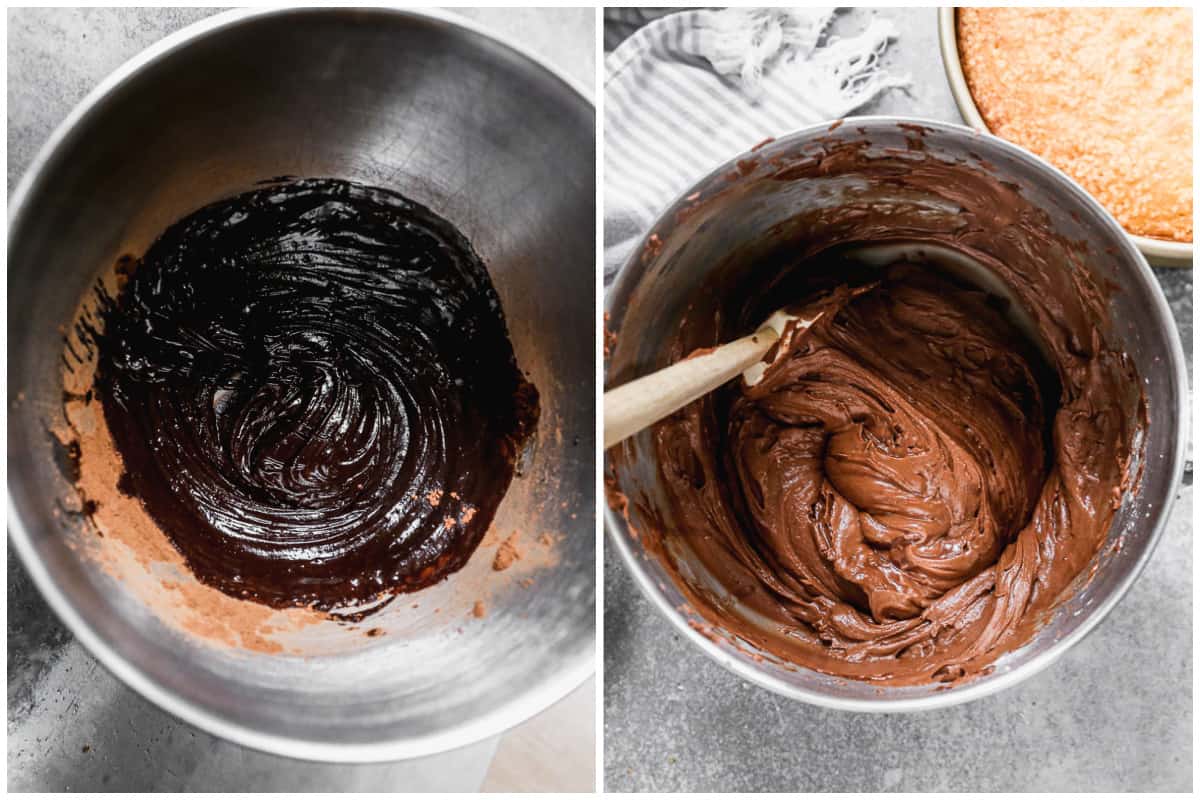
(447, 114)
(653, 291)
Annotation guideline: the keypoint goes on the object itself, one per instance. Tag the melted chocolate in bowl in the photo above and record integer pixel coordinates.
(312, 392)
(920, 479)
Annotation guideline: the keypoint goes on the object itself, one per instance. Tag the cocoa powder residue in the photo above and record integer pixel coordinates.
(508, 553)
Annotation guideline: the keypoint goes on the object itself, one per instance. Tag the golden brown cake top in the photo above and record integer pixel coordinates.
(1104, 94)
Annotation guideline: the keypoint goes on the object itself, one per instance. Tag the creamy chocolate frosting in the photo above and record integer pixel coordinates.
(920, 477)
(312, 392)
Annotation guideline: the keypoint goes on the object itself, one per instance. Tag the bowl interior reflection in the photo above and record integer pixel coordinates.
(450, 117)
(737, 223)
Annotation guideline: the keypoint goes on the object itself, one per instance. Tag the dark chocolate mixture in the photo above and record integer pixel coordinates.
(313, 392)
(915, 483)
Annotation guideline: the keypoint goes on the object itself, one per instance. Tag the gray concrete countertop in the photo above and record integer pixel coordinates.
(72, 725)
(1115, 713)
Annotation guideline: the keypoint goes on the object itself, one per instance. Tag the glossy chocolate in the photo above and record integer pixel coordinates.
(313, 393)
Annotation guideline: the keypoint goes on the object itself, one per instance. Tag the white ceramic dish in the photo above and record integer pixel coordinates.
(1158, 252)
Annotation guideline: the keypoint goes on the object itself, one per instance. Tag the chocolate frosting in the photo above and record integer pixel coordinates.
(920, 477)
(313, 393)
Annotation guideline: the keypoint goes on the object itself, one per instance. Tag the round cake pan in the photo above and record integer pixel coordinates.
(419, 102)
(1159, 252)
(659, 282)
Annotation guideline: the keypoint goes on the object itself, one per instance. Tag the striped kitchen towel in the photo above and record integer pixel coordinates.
(690, 90)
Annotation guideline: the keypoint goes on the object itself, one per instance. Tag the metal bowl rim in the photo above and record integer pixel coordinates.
(633, 270)
(1169, 253)
(521, 705)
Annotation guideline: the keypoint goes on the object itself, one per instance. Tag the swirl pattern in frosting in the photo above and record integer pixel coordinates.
(909, 486)
(313, 393)
(922, 479)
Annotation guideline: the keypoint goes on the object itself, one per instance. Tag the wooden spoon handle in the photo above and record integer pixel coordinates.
(632, 407)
